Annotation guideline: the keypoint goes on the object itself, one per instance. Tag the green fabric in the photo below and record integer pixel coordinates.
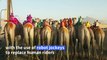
(79, 21)
(39, 24)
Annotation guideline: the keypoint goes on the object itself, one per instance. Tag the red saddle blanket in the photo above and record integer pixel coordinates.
(13, 21)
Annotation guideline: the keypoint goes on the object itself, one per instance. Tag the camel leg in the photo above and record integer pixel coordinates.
(78, 47)
(82, 38)
(103, 36)
(94, 47)
(82, 49)
(39, 38)
(7, 41)
(42, 40)
(48, 36)
(101, 49)
(6, 37)
(67, 44)
(16, 38)
(61, 43)
(16, 44)
(12, 37)
(43, 37)
(89, 50)
(75, 47)
(36, 36)
(31, 40)
(99, 46)
(67, 51)
(26, 37)
(39, 42)
(75, 42)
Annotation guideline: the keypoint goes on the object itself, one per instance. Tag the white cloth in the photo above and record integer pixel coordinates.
(97, 23)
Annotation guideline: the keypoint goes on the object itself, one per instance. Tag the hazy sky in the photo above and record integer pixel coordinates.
(58, 8)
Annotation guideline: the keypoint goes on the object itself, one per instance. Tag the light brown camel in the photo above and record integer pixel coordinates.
(99, 37)
(9, 30)
(37, 34)
(46, 36)
(55, 33)
(64, 38)
(93, 41)
(28, 34)
(84, 38)
(12, 33)
(72, 36)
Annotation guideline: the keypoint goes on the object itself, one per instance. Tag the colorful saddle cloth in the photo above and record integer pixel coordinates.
(29, 20)
(15, 21)
(12, 19)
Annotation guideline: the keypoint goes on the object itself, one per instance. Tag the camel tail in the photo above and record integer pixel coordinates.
(31, 35)
(6, 36)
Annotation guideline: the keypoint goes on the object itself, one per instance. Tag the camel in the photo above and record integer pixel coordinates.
(93, 41)
(9, 30)
(37, 33)
(46, 36)
(84, 39)
(72, 35)
(55, 33)
(12, 32)
(13, 29)
(64, 38)
(99, 38)
(37, 36)
(28, 34)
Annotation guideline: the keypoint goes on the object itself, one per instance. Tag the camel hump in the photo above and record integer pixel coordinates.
(28, 25)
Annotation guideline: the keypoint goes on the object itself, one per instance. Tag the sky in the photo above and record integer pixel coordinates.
(58, 9)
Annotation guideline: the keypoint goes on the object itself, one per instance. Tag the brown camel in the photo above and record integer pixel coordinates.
(84, 39)
(28, 34)
(64, 38)
(99, 37)
(46, 36)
